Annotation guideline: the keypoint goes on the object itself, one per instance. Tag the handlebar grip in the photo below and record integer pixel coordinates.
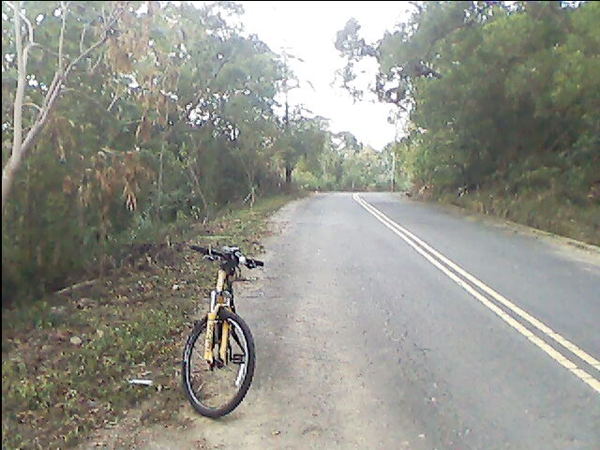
(258, 263)
(199, 249)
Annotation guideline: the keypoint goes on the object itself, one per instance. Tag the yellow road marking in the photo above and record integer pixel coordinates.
(499, 297)
(421, 248)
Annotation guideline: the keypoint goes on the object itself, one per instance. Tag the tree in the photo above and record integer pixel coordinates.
(302, 139)
(494, 91)
(66, 62)
(171, 117)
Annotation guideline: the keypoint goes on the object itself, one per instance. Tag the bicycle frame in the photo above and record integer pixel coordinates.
(221, 297)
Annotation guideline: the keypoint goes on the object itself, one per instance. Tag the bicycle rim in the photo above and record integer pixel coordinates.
(217, 390)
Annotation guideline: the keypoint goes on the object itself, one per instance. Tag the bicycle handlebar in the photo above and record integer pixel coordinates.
(238, 257)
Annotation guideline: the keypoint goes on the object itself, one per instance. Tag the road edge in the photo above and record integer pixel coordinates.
(505, 223)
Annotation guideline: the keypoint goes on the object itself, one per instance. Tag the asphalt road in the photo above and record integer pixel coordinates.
(366, 341)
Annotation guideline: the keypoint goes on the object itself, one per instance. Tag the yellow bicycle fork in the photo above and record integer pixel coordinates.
(217, 302)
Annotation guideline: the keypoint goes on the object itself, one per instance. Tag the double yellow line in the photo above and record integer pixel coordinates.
(468, 282)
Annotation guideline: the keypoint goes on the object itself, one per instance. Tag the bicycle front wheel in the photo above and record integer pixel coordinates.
(215, 390)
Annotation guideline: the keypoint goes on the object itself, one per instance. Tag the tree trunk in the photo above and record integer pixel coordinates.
(13, 164)
(201, 193)
(160, 183)
(21, 147)
(288, 176)
(8, 175)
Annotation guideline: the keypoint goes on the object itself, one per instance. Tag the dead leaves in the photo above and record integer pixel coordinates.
(112, 171)
(144, 130)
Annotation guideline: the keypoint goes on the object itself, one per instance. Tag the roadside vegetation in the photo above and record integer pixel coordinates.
(501, 101)
(122, 119)
(67, 359)
(345, 164)
(128, 129)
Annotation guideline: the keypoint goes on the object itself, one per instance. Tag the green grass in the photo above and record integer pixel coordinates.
(66, 360)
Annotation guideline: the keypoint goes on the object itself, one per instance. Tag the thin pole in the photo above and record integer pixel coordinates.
(393, 170)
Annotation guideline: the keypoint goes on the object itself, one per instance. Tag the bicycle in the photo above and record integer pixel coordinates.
(219, 353)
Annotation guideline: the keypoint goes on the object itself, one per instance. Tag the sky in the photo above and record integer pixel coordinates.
(308, 30)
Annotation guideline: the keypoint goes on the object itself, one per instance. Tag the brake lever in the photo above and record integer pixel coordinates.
(209, 257)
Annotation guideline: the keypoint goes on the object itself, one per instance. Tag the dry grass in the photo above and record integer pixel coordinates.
(547, 210)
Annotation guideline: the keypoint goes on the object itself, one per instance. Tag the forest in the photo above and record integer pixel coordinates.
(122, 118)
(125, 117)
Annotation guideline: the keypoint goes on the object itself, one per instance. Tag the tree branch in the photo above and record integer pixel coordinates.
(112, 103)
(61, 40)
(28, 47)
(21, 147)
(81, 39)
(21, 75)
(16, 157)
(98, 61)
(16, 9)
(33, 105)
(96, 45)
(417, 6)
(51, 89)
(56, 86)
(46, 49)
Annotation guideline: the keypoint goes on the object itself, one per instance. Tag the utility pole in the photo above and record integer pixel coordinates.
(393, 170)
(286, 119)
(393, 177)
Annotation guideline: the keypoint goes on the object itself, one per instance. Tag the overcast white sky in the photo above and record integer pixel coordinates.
(308, 30)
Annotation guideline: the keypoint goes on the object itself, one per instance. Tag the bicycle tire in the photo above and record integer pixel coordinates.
(192, 340)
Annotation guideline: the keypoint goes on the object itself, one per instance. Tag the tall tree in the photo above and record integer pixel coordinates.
(68, 57)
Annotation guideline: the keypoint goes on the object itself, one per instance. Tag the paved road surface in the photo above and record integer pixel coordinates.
(365, 341)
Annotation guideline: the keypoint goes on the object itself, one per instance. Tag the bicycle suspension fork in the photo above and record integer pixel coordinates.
(218, 299)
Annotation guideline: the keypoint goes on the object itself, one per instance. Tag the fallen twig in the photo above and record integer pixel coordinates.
(77, 286)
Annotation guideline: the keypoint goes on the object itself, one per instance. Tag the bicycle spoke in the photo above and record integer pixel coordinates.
(219, 385)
